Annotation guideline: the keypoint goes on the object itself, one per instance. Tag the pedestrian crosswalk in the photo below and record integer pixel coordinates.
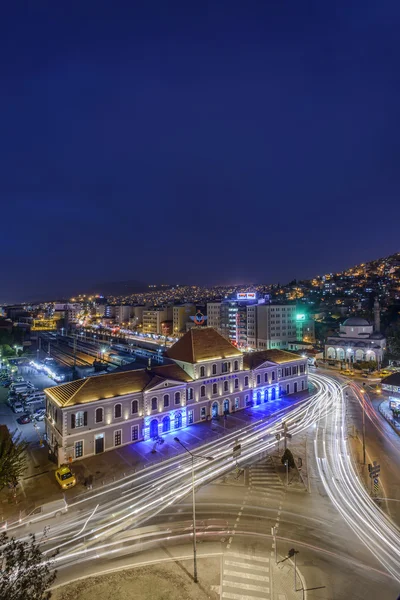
(245, 577)
(263, 477)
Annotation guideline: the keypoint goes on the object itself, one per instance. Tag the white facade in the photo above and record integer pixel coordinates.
(123, 313)
(100, 413)
(356, 342)
(214, 315)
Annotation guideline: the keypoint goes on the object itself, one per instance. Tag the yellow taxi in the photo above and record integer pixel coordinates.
(65, 477)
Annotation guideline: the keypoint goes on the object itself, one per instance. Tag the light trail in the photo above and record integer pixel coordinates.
(168, 488)
(345, 489)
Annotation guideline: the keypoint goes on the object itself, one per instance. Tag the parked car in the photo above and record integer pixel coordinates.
(24, 420)
(35, 397)
(19, 378)
(39, 416)
(17, 407)
(65, 477)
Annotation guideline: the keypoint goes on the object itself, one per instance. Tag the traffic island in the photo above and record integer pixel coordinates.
(165, 581)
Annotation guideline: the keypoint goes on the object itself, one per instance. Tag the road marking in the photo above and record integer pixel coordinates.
(247, 575)
(236, 563)
(246, 586)
(232, 596)
(249, 556)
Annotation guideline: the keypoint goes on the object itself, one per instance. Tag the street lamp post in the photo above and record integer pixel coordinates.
(193, 456)
(363, 422)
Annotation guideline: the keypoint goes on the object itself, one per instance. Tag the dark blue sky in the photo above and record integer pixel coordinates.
(196, 142)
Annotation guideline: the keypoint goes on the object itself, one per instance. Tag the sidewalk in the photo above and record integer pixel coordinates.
(39, 485)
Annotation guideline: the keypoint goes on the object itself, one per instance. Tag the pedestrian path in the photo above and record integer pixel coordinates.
(245, 577)
(263, 477)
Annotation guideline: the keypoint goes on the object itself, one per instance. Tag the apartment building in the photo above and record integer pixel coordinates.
(214, 315)
(208, 377)
(153, 319)
(181, 316)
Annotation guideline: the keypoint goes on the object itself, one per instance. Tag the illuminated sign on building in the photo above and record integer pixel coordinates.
(246, 296)
(300, 317)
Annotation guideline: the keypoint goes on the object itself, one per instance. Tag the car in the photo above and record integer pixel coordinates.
(19, 378)
(17, 407)
(24, 420)
(64, 477)
(46, 511)
(39, 416)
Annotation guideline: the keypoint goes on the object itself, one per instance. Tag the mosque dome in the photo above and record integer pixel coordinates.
(356, 322)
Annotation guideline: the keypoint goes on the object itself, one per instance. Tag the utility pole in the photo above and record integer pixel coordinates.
(287, 471)
(193, 456)
(285, 434)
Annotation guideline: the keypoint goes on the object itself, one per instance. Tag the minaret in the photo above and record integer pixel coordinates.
(377, 316)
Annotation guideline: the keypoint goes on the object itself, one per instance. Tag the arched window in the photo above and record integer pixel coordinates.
(177, 397)
(135, 407)
(246, 381)
(226, 386)
(118, 411)
(224, 367)
(154, 404)
(214, 369)
(266, 377)
(215, 388)
(178, 420)
(258, 379)
(236, 383)
(166, 400)
(98, 415)
(236, 365)
(202, 371)
(202, 391)
(189, 393)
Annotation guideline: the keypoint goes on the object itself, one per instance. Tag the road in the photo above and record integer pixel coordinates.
(348, 547)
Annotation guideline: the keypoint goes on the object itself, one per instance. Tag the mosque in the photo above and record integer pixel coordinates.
(357, 340)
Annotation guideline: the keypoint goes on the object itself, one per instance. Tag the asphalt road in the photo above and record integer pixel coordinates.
(325, 526)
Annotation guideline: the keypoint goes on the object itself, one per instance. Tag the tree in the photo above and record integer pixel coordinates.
(393, 338)
(288, 456)
(12, 458)
(25, 574)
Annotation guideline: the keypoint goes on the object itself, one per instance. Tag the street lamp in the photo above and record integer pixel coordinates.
(193, 456)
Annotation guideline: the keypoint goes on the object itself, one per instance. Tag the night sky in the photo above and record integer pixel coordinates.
(195, 142)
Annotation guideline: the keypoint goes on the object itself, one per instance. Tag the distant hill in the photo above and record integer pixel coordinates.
(118, 288)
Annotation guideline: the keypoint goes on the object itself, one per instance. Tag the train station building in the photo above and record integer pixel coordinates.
(206, 378)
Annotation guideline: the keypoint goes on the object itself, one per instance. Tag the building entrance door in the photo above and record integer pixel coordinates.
(99, 443)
